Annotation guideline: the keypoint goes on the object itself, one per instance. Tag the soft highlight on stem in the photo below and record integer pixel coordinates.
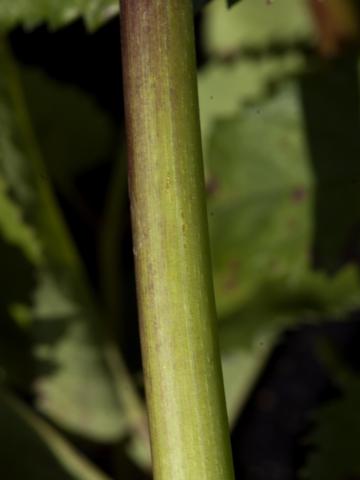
(184, 386)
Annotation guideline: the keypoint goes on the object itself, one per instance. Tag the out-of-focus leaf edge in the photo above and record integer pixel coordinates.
(68, 457)
(92, 20)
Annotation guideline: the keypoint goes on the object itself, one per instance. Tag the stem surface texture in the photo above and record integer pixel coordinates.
(183, 378)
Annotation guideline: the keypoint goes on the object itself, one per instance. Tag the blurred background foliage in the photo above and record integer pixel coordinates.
(279, 105)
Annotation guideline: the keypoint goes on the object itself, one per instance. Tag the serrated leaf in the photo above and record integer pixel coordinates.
(260, 207)
(78, 392)
(20, 255)
(272, 239)
(262, 230)
(54, 13)
(13, 228)
(226, 88)
(17, 282)
(255, 24)
(248, 336)
(57, 14)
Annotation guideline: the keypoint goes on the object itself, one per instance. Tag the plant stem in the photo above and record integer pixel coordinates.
(183, 378)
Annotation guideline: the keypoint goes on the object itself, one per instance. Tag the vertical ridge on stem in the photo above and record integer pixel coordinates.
(183, 378)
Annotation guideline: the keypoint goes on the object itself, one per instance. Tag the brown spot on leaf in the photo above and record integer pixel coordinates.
(298, 194)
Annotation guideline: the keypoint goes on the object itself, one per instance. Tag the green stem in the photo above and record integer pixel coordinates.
(183, 378)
